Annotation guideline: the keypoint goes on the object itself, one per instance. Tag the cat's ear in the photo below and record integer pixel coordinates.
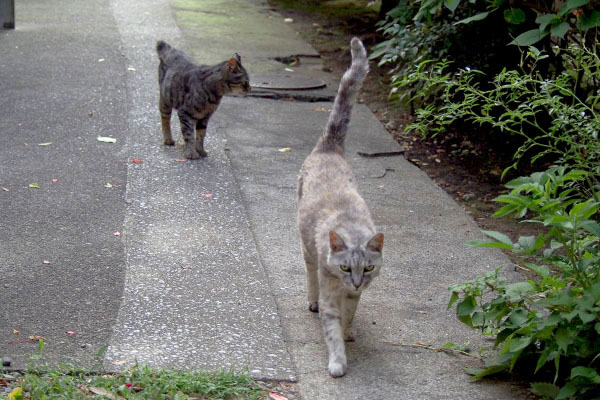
(335, 242)
(376, 243)
(237, 57)
(234, 63)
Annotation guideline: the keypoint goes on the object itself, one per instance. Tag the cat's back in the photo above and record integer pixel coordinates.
(325, 178)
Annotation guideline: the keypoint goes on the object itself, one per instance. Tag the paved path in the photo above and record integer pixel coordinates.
(207, 271)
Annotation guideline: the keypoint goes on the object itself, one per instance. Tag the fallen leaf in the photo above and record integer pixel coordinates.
(207, 195)
(45, 144)
(108, 185)
(289, 69)
(120, 362)
(54, 180)
(5, 189)
(117, 233)
(137, 161)
(101, 60)
(277, 396)
(285, 150)
(34, 185)
(16, 332)
(102, 392)
(36, 338)
(46, 262)
(321, 109)
(186, 267)
(70, 332)
(181, 159)
(131, 69)
(288, 20)
(107, 139)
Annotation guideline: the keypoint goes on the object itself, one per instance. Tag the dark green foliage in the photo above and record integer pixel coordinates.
(548, 328)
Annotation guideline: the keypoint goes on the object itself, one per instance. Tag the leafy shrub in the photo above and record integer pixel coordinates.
(550, 116)
(549, 326)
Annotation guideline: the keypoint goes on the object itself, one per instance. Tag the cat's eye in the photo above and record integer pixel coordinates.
(369, 268)
(345, 268)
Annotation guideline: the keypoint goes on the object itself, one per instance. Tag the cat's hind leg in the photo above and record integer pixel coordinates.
(200, 133)
(188, 125)
(165, 120)
(312, 281)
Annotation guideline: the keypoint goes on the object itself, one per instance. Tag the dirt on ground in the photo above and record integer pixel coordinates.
(467, 165)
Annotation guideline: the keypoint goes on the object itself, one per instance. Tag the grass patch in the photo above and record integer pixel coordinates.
(68, 382)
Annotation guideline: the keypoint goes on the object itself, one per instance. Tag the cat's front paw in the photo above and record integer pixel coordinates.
(337, 369)
(313, 306)
(202, 153)
(169, 142)
(349, 335)
(191, 154)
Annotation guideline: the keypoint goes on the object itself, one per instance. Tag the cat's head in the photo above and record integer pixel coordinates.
(355, 264)
(236, 76)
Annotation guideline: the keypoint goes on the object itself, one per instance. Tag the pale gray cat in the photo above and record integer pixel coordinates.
(341, 248)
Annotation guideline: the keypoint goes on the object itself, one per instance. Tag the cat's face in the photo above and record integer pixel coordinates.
(355, 266)
(236, 76)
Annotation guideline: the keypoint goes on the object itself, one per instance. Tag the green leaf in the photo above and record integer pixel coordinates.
(501, 237)
(542, 270)
(490, 371)
(543, 358)
(592, 227)
(567, 391)
(590, 22)
(570, 5)
(453, 299)
(34, 185)
(545, 389)
(562, 338)
(451, 4)
(560, 30)
(466, 307)
(518, 318)
(476, 17)
(514, 16)
(516, 291)
(544, 20)
(530, 37)
(588, 373)
(519, 344)
(496, 245)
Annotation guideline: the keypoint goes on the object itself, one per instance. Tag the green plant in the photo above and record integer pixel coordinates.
(548, 115)
(68, 382)
(549, 326)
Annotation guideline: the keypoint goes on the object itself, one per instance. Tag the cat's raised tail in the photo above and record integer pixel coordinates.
(350, 84)
(161, 48)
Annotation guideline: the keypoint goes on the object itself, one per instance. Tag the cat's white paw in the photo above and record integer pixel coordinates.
(191, 154)
(337, 369)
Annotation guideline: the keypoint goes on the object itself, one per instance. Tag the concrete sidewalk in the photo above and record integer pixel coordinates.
(207, 272)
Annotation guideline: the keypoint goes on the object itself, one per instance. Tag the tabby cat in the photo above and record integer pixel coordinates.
(195, 91)
(342, 251)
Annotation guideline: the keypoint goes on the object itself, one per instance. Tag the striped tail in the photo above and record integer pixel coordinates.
(350, 84)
